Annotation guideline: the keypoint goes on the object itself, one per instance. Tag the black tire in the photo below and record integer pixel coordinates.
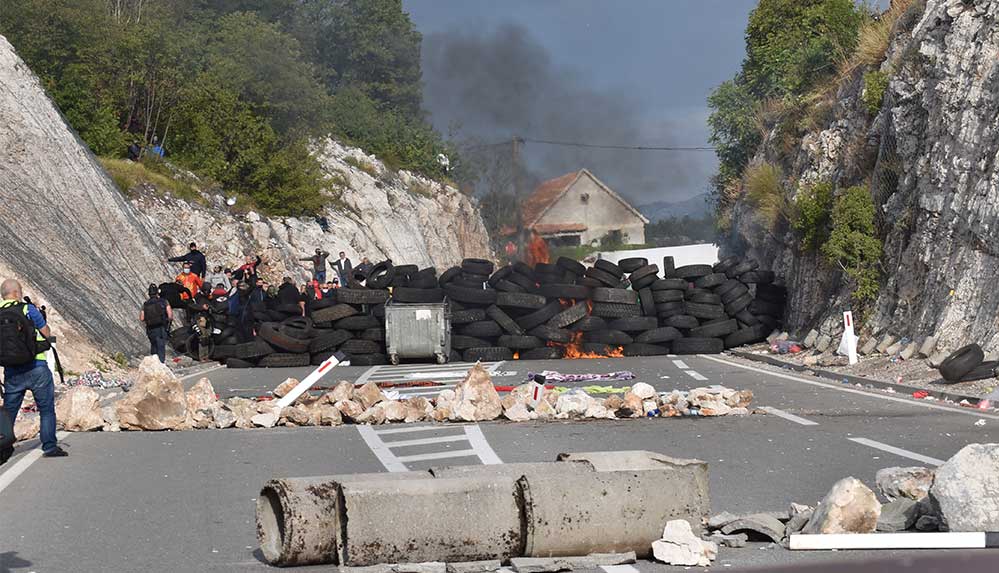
(525, 282)
(659, 335)
(358, 346)
(499, 275)
(575, 267)
(482, 329)
(329, 340)
(566, 292)
(374, 359)
(705, 298)
(480, 296)
(667, 296)
(520, 342)
(289, 309)
(425, 279)
(634, 324)
(740, 303)
(605, 278)
(641, 349)
(644, 282)
(727, 286)
(744, 336)
(983, 371)
(540, 316)
(615, 295)
(743, 267)
(644, 272)
(614, 337)
(589, 282)
(523, 268)
(710, 281)
(465, 282)
(281, 341)
(358, 323)
(299, 327)
(507, 286)
(608, 267)
(460, 342)
(327, 301)
(417, 295)
(589, 324)
(771, 293)
(716, 330)
(223, 352)
(597, 348)
(469, 316)
(632, 264)
(735, 293)
(487, 354)
(256, 348)
(683, 321)
(961, 362)
(726, 263)
(764, 307)
(666, 309)
(381, 276)
(670, 284)
(238, 363)
(669, 265)
(698, 346)
(285, 360)
(757, 277)
(647, 300)
(705, 311)
(374, 334)
(747, 318)
(503, 319)
(615, 310)
(449, 275)
(361, 296)
(569, 316)
(520, 300)
(552, 334)
(545, 353)
(691, 272)
(477, 266)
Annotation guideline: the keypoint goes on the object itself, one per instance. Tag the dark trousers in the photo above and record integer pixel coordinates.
(157, 342)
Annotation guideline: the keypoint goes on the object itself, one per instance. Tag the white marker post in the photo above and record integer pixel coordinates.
(310, 380)
(848, 344)
(934, 540)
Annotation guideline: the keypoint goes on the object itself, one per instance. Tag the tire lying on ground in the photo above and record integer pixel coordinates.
(487, 354)
(642, 349)
(961, 362)
(285, 360)
(238, 363)
(282, 341)
(744, 336)
(546, 353)
(698, 346)
(367, 359)
(983, 371)
(515, 342)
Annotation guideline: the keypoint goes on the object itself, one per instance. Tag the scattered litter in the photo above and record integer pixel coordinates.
(920, 394)
(980, 423)
(553, 376)
(95, 379)
(786, 347)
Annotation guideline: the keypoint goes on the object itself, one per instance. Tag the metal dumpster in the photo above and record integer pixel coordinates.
(418, 331)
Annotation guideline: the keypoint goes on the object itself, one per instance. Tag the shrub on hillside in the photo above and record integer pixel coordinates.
(853, 244)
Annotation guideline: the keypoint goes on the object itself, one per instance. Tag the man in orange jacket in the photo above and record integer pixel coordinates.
(189, 280)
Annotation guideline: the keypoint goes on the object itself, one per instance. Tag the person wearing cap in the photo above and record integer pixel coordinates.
(195, 257)
(156, 315)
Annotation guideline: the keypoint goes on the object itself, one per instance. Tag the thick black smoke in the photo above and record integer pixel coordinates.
(490, 87)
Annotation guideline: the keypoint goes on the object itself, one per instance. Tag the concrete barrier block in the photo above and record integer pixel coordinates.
(512, 471)
(467, 519)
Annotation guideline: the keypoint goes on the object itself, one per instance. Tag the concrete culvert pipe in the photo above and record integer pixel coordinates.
(298, 518)
(607, 512)
(450, 520)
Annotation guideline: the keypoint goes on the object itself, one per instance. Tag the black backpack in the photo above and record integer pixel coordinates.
(154, 312)
(18, 342)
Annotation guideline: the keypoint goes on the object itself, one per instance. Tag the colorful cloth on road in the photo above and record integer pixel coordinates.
(552, 376)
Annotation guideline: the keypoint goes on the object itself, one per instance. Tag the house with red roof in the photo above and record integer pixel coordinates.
(579, 209)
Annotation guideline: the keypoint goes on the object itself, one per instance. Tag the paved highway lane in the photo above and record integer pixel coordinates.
(184, 501)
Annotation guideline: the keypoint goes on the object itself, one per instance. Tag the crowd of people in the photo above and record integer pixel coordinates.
(239, 292)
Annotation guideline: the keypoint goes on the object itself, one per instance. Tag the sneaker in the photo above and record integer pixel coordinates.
(56, 453)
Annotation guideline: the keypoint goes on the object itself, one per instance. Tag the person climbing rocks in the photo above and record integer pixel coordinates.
(342, 267)
(318, 264)
(197, 259)
(156, 314)
(24, 341)
(248, 270)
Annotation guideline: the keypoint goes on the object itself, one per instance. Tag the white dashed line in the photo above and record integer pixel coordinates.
(438, 456)
(426, 441)
(681, 364)
(897, 451)
(787, 416)
(619, 568)
(695, 375)
(23, 464)
(202, 372)
(486, 454)
(480, 448)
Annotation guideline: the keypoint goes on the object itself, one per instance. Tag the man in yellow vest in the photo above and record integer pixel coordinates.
(23, 334)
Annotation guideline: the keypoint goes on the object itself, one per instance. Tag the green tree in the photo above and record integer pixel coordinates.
(853, 244)
(812, 211)
(734, 132)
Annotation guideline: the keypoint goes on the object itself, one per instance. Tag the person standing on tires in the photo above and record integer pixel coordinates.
(23, 343)
(156, 314)
(342, 267)
(318, 265)
(197, 259)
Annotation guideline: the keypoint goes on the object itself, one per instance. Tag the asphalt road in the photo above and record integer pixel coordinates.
(184, 501)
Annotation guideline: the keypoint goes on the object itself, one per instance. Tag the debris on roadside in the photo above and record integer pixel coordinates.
(849, 507)
(95, 379)
(679, 546)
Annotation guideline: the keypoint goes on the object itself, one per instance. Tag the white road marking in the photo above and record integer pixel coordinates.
(695, 375)
(381, 450)
(455, 374)
(788, 416)
(897, 451)
(438, 456)
(409, 428)
(619, 568)
(410, 394)
(388, 373)
(203, 372)
(23, 464)
(425, 441)
(482, 447)
(839, 388)
(681, 364)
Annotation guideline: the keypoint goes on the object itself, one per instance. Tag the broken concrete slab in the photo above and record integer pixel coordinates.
(886, 341)
(474, 566)
(849, 507)
(928, 346)
(734, 541)
(894, 349)
(965, 489)
(761, 524)
(910, 482)
(898, 515)
(868, 346)
(720, 520)
(428, 567)
(937, 358)
(909, 351)
(810, 338)
(823, 342)
(555, 564)
(679, 546)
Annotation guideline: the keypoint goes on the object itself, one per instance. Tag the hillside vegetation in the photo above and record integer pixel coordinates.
(235, 90)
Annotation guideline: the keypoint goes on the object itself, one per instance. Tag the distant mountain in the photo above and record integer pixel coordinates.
(696, 207)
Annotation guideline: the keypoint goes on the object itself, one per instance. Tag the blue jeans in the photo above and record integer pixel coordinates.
(39, 381)
(320, 276)
(157, 342)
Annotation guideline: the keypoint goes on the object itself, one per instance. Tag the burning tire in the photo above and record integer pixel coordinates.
(569, 316)
(546, 353)
(503, 319)
(540, 316)
(514, 342)
(552, 334)
(589, 324)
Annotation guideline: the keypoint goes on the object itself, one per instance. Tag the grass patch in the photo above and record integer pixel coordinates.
(813, 206)
(874, 38)
(765, 192)
(853, 245)
(128, 175)
(422, 189)
(363, 165)
(875, 84)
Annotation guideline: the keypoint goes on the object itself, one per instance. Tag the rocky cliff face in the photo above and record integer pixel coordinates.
(380, 214)
(930, 158)
(65, 230)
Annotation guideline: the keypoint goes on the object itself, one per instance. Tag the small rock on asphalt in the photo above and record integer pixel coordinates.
(912, 482)
(898, 515)
(965, 489)
(849, 507)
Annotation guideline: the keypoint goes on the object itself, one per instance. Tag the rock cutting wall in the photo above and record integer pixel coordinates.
(939, 220)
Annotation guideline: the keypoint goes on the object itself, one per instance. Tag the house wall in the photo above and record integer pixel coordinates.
(601, 214)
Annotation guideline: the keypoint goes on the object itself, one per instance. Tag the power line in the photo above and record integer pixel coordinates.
(604, 146)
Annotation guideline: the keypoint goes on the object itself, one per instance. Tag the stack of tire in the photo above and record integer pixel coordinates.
(968, 364)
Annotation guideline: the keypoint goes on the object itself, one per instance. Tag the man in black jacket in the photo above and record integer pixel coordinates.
(197, 259)
(342, 267)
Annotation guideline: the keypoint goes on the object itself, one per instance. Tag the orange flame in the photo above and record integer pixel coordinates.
(537, 250)
(574, 350)
(516, 356)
